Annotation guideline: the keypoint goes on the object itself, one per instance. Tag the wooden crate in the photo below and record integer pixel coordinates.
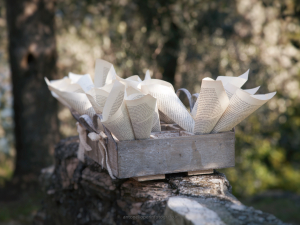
(170, 151)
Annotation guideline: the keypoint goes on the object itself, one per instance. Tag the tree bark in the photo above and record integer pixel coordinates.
(32, 52)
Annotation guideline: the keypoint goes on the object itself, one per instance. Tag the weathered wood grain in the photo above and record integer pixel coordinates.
(169, 127)
(166, 152)
(175, 154)
(152, 177)
(111, 147)
(95, 152)
(199, 172)
(112, 152)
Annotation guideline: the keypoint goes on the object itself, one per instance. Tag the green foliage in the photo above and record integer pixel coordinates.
(207, 38)
(267, 154)
(193, 40)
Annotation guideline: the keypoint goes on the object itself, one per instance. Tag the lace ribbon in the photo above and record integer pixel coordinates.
(83, 146)
(97, 137)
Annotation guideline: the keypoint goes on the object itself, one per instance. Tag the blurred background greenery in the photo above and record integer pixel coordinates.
(198, 39)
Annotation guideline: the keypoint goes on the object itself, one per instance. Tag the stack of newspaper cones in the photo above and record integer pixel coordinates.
(131, 108)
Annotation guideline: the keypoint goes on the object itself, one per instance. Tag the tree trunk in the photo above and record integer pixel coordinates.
(32, 51)
(167, 59)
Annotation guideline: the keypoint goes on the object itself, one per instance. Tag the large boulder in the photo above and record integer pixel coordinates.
(83, 193)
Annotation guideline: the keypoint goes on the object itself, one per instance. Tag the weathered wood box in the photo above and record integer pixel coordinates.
(170, 151)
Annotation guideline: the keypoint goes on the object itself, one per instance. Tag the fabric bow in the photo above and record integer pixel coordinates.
(83, 146)
(103, 151)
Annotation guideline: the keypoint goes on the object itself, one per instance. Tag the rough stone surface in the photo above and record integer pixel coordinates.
(181, 210)
(83, 193)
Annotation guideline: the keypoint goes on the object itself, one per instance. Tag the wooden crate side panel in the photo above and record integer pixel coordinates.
(172, 155)
(95, 154)
(113, 156)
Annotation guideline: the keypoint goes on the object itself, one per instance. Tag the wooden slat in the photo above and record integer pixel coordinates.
(153, 137)
(153, 177)
(111, 145)
(165, 134)
(185, 152)
(198, 172)
(112, 152)
(169, 127)
(172, 155)
(185, 133)
(94, 153)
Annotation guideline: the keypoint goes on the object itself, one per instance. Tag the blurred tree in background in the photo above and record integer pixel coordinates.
(183, 41)
(32, 53)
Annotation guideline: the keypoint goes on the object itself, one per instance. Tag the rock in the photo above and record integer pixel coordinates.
(181, 210)
(83, 193)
